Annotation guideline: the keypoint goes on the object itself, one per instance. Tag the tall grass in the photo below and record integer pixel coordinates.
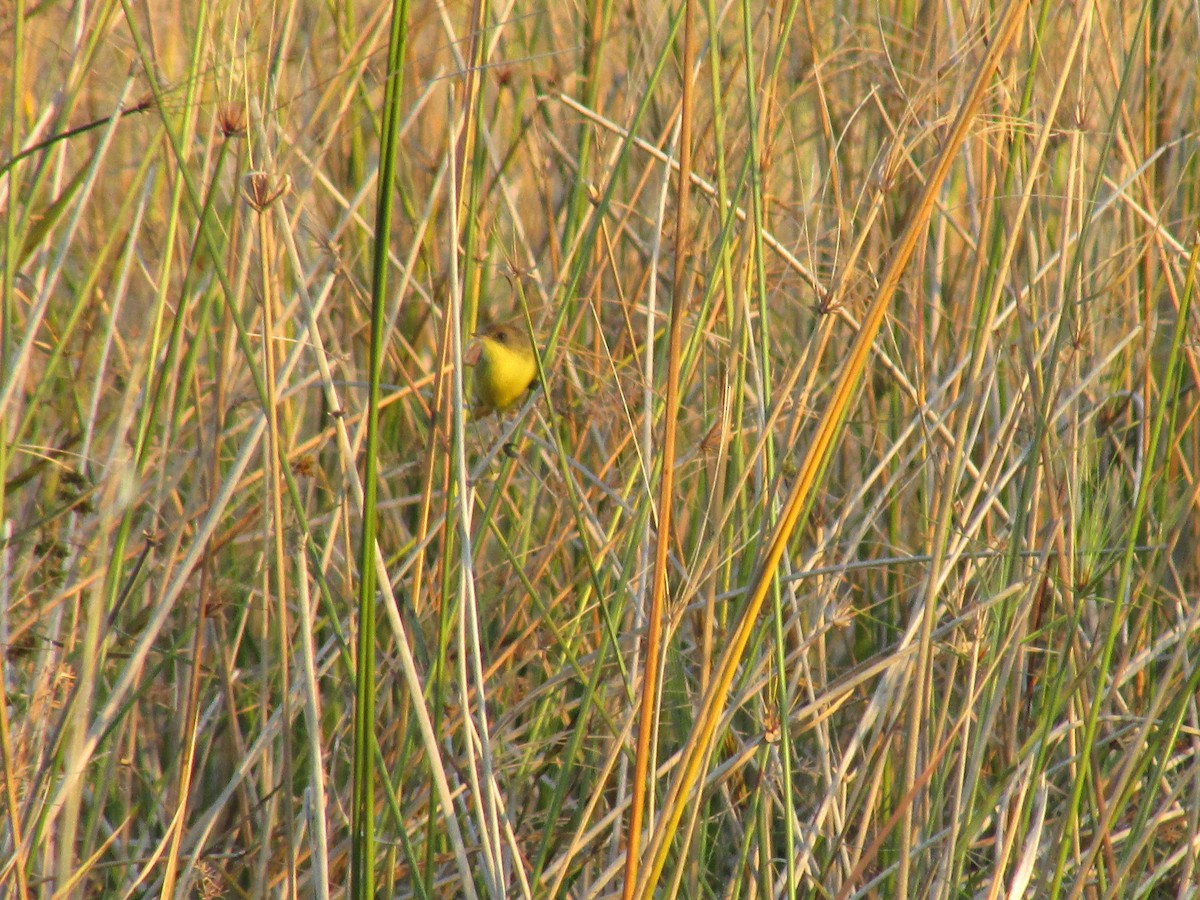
(849, 547)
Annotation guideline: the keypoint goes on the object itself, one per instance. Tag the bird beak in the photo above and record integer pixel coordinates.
(471, 357)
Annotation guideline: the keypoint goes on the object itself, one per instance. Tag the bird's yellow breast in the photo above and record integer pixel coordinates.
(502, 375)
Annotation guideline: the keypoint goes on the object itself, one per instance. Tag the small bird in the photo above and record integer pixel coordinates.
(504, 371)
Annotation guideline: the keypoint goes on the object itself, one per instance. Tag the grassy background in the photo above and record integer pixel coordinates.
(974, 669)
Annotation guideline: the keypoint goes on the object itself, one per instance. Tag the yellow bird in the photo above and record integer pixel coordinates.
(505, 369)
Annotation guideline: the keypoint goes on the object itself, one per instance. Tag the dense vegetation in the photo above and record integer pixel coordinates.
(868, 416)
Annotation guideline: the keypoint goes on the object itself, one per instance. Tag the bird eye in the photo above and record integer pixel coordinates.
(502, 336)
